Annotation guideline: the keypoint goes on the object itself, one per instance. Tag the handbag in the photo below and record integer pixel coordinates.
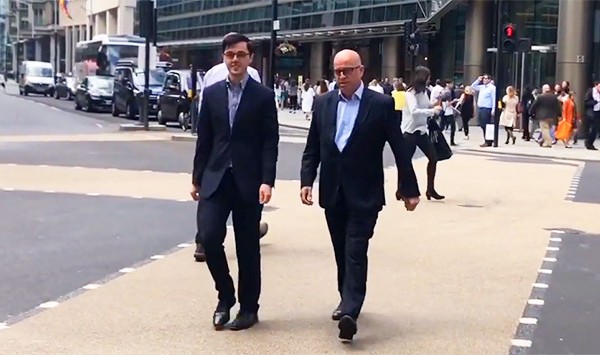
(440, 144)
(489, 132)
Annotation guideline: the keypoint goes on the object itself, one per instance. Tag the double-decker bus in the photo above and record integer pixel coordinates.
(101, 54)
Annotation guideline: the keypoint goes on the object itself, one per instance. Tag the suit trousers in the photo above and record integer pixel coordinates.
(215, 212)
(485, 117)
(350, 232)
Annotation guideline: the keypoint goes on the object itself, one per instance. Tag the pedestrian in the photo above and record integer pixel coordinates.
(547, 109)
(308, 96)
(486, 103)
(466, 106)
(234, 172)
(351, 185)
(508, 117)
(592, 115)
(416, 118)
(526, 102)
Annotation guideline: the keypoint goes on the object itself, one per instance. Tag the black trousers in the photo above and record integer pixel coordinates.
(418, 139)
(199, 223)
(592, 128)
(350, 232)
(448, 120)
(246, 218)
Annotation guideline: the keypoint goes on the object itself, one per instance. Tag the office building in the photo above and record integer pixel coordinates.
(5, 53)
(459, 36)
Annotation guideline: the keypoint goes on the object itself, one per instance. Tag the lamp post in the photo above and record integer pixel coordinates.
(274, 28)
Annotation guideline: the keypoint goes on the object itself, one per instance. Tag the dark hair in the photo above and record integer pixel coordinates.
(419, 81)
(235, 38)
(489, 76)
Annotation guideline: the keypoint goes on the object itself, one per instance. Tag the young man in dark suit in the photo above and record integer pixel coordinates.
(234, 172)
(347, 135)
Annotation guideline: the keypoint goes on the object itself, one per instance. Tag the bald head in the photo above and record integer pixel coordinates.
(545, 88)
(349, 71)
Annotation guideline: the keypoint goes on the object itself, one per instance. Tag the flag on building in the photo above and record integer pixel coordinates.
(64, 6)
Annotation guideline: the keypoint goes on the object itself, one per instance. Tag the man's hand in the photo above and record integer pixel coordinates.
(409, 202)
(306, 195)
(195, 193)
(264, 194)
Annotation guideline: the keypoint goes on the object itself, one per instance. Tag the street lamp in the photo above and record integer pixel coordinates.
(274, 28)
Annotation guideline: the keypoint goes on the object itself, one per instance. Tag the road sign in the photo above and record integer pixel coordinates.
(580, 59)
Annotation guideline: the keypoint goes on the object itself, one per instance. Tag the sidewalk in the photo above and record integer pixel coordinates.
(521, 148)
(455, 286)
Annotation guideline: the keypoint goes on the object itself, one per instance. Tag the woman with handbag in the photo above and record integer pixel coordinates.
(415, 125)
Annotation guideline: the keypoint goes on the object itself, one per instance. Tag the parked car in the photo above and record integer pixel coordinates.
(175, 101)
(37, 78)
(65, 87)
(129, 90)
(95, 93)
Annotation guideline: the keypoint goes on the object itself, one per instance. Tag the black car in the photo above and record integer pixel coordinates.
(95, 94)
(129, 90)
(174, 102)
(65, 87)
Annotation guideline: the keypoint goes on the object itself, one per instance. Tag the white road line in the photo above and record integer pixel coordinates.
(147, 171)
(157, 257)
(550, 260)
(8, 189)
(521, 343)
(545, 271)
(558, 231)
(93, 194)
(528, 320)
(49, 191)
(540, 285)
(556, 239)
(47, 305)
(137, 197)
(127, 270)
(536, 302)
(55, 108)
(3, 326)
(99, 125)
(183, 200)
(77, 167)
(183, 245)
(552, 249)
(11, 164)
(91, 287)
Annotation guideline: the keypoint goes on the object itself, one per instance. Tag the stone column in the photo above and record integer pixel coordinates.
(317, 55)
(125, 19)
(53, 54)
(38, 49)
(390, 58)
(15, 60)
(68, 49)
(478, 36)
(574, 53)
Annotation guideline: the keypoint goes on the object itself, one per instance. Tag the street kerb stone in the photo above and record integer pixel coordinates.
(452, 277)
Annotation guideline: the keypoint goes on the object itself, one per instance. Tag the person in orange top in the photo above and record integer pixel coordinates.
(564, 131)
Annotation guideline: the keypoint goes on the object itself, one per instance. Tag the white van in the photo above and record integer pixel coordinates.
(37, 78)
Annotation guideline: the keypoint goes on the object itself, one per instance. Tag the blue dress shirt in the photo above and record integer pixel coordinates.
(347, 111)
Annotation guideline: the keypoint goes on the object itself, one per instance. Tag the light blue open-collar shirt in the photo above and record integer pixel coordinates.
(347, 112)
(487, 95)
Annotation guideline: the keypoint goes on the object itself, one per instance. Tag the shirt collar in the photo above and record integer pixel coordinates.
(242, 83)
(357, 94)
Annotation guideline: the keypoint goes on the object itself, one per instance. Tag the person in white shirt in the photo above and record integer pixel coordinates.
(415, 117)
(374, 85)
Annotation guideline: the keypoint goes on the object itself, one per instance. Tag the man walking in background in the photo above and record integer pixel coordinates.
(546, 110)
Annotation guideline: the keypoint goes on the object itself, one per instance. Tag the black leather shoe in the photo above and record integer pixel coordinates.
(221, 315)
(337, 313)
(199, 254)
(264, 228)
(347, 327)
(244, 320)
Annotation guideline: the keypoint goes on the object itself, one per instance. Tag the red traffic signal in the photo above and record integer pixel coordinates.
(509, 30)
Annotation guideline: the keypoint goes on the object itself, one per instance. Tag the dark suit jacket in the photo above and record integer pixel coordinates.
(358, 169)
(589, 103)
(251, 145)
(546, 106)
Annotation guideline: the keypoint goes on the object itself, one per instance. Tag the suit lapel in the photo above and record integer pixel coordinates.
(224, 97)
(363, 110)
(332, 109)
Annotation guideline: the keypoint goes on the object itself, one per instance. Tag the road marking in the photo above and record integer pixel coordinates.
(550, 260)
(556, 239)
(3, 326)
(138, 197)
(77, 167)
(91, 287)
(545, 271)
(521, 343)
(157, 257)
(536, 302)
(49, 191)
(528, 320)
(8, 189)
(11, 164)
(93, 194)
(147, 171)
(127, 270)
(558, 231)
(540, 285)
(552, 249)
(55, 108)
(99, 125)
(183, 200)
(183, 245)
(48, 305)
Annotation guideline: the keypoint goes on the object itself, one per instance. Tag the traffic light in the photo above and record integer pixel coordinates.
(509, 38)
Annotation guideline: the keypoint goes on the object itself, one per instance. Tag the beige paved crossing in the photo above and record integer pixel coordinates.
(451, 278)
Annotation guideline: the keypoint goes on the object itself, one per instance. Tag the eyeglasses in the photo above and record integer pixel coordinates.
(240, 55)
(345, 71)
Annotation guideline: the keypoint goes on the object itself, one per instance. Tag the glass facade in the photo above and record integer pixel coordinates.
(202, 19)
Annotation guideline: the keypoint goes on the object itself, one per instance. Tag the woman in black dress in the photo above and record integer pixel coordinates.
(466, 106)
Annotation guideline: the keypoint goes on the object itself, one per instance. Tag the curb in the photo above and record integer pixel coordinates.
(182, 138)
(134, 127)
(530, 155)
(286, 125)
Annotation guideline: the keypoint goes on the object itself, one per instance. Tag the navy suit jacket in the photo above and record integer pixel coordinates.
(251, 145)
(358, 169)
